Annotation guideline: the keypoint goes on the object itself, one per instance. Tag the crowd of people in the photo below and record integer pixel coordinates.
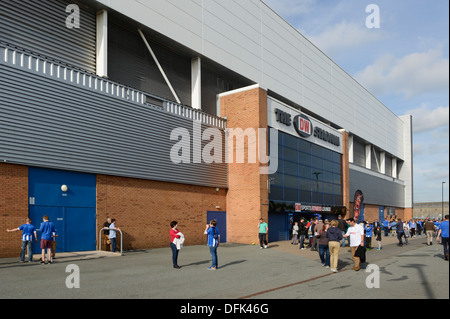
(326, 237)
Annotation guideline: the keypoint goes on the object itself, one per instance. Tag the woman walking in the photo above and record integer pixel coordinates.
(324, 251)
(334, 235)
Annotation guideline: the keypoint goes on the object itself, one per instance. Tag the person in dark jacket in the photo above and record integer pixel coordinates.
(400, 232)
(377, 232)
(302, 232)
(334, 235)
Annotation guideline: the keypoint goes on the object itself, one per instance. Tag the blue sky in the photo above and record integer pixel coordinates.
(404, 63)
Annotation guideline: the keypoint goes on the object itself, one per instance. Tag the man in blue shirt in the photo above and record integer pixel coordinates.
(386, 227)
(213, 242)
(28, 232)
(47, 229)
(443, 232)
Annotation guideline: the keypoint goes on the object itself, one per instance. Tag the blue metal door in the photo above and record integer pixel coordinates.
(381, 214)
(72, 211)
(221, 218)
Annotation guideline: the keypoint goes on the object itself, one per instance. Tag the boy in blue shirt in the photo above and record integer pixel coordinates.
(213, 242)
(368, 228)
(47, 229)
(28, 232)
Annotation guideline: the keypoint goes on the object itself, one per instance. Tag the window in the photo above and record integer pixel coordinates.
(307, 173)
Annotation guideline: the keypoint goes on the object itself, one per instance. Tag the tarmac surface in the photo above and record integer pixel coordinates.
(246, 272)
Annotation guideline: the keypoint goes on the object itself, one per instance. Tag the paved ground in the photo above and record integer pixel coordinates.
(282, 271)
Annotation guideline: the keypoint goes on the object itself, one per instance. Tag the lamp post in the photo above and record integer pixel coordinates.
(442, 217)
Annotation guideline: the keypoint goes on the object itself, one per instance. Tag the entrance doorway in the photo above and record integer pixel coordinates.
(71, 208)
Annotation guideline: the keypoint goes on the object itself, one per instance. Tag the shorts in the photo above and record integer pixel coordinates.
(46, 243)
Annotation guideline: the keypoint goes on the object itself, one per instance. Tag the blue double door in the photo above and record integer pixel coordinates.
(72, 211)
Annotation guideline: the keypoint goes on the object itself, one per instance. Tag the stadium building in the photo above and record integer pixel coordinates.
(153, 111)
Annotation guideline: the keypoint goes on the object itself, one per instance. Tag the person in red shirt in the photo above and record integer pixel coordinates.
(174, 234)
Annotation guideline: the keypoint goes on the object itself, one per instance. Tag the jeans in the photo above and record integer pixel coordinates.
(386, 231)
(445, 244)
(324, 254)
(113, 244)
(26, 244)
(302, 241)
(174, 254)
(262, 239)
(213, 251)
(399, 237)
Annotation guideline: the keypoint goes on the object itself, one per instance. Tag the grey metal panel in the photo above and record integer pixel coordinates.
(377, 191)
(51, 123)
(40, 26)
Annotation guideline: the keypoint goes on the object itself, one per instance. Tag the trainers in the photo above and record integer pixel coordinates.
(265, 246)
(212, 268)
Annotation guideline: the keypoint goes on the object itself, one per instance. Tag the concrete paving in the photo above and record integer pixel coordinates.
(281, 271)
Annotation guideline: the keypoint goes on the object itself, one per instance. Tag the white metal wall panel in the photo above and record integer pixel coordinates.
(251, 39)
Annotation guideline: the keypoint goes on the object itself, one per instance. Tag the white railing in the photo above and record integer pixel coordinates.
(44, 66)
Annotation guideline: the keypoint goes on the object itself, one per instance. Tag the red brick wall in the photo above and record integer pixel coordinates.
(144, 209)
(13, 207)
(247, 198)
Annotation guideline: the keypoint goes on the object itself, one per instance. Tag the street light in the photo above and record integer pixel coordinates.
(442, 217)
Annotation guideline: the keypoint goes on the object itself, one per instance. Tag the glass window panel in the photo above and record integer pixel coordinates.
(290, 168)
(277, 179)
(305, 171)
(305, 184)
(336, 168)
(337, 189)
(290, 141)
(276, 193)
(317, 186)
(338, 200)
(316, 150)
(317, 197)
(305, 196)
(328, 177)
(337, 158)
(328, 166)
(317, 162)
(304, 146)
(290, 155)
(328, 199)
(337, 178)
(317, 175)
(290, 181)
(290, 194)
(328, 154)
(305, 159)
(280, 165)
(328, 188)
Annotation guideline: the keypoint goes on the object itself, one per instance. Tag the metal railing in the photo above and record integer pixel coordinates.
(44, 66)
(100, 239)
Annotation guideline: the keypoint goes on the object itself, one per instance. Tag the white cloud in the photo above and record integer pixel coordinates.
(426, 119)
(411, 75)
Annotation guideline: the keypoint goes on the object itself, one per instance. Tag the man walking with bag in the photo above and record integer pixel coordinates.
(356, 234)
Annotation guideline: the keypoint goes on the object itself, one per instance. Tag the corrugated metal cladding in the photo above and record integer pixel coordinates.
(377, 190)
(40, 26)
(52, 123)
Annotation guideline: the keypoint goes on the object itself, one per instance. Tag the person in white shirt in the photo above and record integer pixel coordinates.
(356, 234)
